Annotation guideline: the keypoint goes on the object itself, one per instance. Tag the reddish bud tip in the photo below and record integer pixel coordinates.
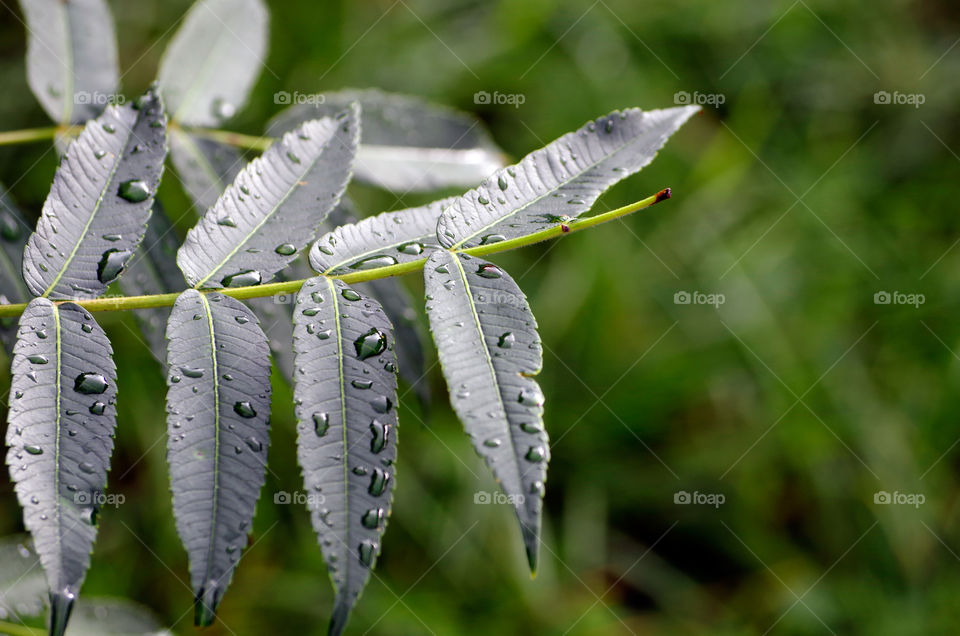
(663, 195)
(564, 227)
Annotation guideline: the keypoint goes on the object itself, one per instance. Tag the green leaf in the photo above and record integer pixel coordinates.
(211, 64)
(60, 434)
(345, 391)
(408, 144)
(71, 57)
(14, 231)
(273, 208)
(153, 270)
(205, 167)
(561, 180)
(218, 406)
(488, 345)
(388, 238)
(99, 203)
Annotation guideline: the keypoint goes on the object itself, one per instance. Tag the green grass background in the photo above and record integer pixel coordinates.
(798, 399)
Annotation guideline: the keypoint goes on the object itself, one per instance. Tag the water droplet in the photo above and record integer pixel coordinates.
(378, 482)
(134, 190)
(85, 327)
(87, 467)
(372, 518)
(294, 158)
(349, 294)
(113, 238)
(111, 264)
(489, 270)
(242, 319)
(372, 343)
(312, 311)
(90, 383)
(493, 442)
(287, 249)
(97, 408)
(492, 238)
(535, 454)
(482, 200)
(502, 182)
(361, 384)
(253, 443)
(367, 552)
(244, 409)
(245, 278)
(411, 248)
(507, 340)
(374, 262)
(530, 397)
(38, 359)
(441, 269)
(99, 154)
(381, 404)
(321, 423)
(192, 372)
(109, 128)
(33, 449)
(381, 433)
(226, 221)
(531, 427)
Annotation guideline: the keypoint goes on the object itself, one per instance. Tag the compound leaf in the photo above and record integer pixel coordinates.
(489, 348)
(218, 406)
(71, 57)
(99, 203)
(561, 180)
(274, 207)
(60, 434)
(408, 144)
(213, 60)
(205, 167)
(388, 238)
(345, 390)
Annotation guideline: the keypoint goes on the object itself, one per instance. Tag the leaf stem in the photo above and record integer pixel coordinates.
(20, 630)
(250, 142)
(28, 135)
(116, 303)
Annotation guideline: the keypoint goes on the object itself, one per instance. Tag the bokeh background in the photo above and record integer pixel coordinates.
(799, 400)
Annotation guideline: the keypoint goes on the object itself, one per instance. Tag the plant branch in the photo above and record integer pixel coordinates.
(20, 630)
(116, 303)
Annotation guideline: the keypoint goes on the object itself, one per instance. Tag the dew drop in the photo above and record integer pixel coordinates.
(286, 249)
(244, 409)
(381, 404)
(90, 383)
(349, 294)
(381, 433)
(245, 278)
(374, 262)
(372, 343)
(321, 423)
(507, 340)
(378, 482)
(111, 264)
(489, 270)
(372, 518)
(134, 190)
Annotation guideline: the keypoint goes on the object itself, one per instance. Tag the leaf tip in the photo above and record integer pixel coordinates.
(341, 614)
(60, 607)
(205, 606)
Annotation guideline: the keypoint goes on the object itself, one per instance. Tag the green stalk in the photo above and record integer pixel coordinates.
(20, 630)
(34, 134)
(291, 287)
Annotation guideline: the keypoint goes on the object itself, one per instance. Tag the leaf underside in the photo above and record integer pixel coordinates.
(561, 180)
(99, 203)
(488, 347)
(218, 406)
(274, 207)
(60, 427)
(205, 167)
(14, 232)
(345, 391)
(213, 60)
(408, 144)
(71, 57)
(153, 270)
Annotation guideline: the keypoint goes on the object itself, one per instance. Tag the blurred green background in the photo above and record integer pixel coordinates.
(799, 399)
